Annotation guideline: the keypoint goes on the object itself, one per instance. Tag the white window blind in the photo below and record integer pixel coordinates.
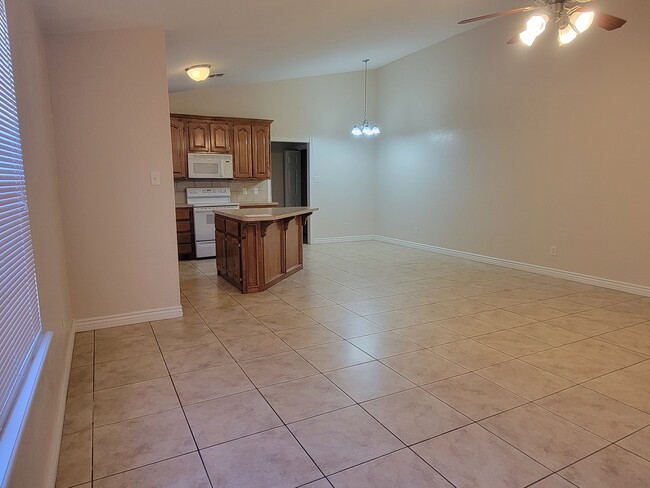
(20, 323)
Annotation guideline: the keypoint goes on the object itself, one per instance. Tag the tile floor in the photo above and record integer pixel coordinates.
(375, 366)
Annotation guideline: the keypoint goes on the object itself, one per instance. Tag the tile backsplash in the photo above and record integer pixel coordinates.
(237, 188)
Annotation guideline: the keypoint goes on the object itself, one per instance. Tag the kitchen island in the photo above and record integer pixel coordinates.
(258, 247)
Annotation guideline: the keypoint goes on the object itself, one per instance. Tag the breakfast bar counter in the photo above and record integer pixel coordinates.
(259, 247)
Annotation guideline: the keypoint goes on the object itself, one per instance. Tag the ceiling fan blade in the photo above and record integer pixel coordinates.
(608, 22)
(500, 14)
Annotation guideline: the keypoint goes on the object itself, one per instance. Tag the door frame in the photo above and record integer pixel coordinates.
(310, 151)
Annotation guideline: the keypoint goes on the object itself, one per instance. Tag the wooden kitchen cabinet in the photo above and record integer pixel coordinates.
(220, 137)
(199, 136)
(185, 233)
(261, 151)
(243, 153)
(179, 153)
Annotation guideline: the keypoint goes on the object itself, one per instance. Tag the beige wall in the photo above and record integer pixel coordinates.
(111, 114)
(506, 151)
(40, 441)
(324, 108)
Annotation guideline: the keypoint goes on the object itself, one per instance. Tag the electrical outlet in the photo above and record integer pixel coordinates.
(155, 178)
(553, 251)
(256, 191)
(416, 231)
(345, 225)
(244, 191)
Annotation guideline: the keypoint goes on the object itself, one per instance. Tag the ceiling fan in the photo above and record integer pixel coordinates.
(572, 17)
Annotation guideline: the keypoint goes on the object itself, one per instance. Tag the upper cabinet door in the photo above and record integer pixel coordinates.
(220, 135)
(261, 151)
(179, 153)
(199, 136)
(243, 152)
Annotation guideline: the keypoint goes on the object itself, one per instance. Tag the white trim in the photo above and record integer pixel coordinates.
(333, 240)
(531, 268)
(81, 325)
(14, 426)
(53, 463)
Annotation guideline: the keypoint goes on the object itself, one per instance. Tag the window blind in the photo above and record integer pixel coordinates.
(20, 323)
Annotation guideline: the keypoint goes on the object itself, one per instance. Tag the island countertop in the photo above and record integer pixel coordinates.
(263, 214)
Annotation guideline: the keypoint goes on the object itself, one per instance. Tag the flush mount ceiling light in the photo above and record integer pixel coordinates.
(201, 72)
(572, 18)
(364, 128)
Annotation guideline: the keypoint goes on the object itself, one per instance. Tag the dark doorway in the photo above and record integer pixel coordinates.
(290, 176)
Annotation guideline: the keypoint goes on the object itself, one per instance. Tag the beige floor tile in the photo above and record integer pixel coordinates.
(379, 291)
(610, 317)
(568, 365)
(474, 396)
(553, 481)
(322, 483)
(82, 338)
(217, 302)
(414, 415)
(396, 319)
(210, 383)
(431, 313)
(565, 304)
(401, 468)
(344, 438)
(284, 321)
(129, 370)
(604, 353)
(354, 327)
(271, 458)
(187, 320)
(185, 471)
(251, 298)
(186, 337)
(429, 334)
(134, 443)
(134, 400)
(83, 355)
(638, 443)
(239, 328)
(581, 325)
(123, 332)
(436, 295)
(639, 308)
(370, 306)
(550, 334)
(466, 306)
(472, 457)
(624, 386)
(231, 417)
(81, 380)
(611, 467)
(226, 315)
(306, 397)
(308, 336)
(345, 296)
(330, 313)
(111, 350)
(468, 326)
(384, 344)
(308, 301)
(512, 343)
(596, 413)
(628, 339)
(422, 367)
(547, 438)
(271, 308)
(535, 311)
(643, 328)
(75, 459)
(256, 346)
(404, 301)
(277, 368)
(368, 380)
(524, 380)
(78, 413)
(504, 319)
(196, 357)
(470, 354)
(334, 355)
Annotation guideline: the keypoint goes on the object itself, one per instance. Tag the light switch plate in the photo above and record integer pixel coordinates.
(155, 178)
(256, 191)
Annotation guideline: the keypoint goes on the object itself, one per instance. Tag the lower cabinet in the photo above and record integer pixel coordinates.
(184, 233)
(254, 256)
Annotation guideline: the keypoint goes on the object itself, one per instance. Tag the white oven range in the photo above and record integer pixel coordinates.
(205, 201)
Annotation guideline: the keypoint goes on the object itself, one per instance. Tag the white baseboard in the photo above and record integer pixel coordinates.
(333, 240)
(532, 268)
(127, 318)
(53, 462)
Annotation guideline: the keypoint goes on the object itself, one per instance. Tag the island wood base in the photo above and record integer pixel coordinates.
(254, 256)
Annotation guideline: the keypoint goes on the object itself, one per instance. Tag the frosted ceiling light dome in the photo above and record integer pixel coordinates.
(567, 35)
(536, 24)
(198, 72)
(364, 128)
(582, 20)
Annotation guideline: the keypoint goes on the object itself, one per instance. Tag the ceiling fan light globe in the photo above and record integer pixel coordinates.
(356, 131)
(199, 72)
(375, 130)
(567, 35)
(527, 38)
(582, 20)
(536, 25)
(367, 131)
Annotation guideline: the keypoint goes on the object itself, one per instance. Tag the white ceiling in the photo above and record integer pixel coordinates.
(264, 40)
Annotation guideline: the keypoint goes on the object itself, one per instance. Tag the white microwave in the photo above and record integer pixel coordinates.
(205, 165)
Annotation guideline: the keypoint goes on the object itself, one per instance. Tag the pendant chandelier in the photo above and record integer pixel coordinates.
(364, 128)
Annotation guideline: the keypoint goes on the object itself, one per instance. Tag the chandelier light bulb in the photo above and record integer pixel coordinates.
(375, 130)
(567, 35)
(536, 25)
(356, 131)
(527, 38)
(364, 128)
(582, 20)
